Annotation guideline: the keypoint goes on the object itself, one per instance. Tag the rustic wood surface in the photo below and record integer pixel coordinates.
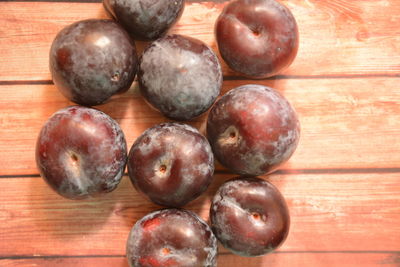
(342, 184)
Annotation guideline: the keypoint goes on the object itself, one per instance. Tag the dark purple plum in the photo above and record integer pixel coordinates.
(257, 38)
(145, 20)
(171, 163)
(253, 130)
(249, 216)
(180, 76)
(81, 152)
(91, 60)
(171, 237)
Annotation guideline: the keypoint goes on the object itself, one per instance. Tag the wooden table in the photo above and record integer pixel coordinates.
(342, 184)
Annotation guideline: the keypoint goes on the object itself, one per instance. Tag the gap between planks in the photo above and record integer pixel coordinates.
(283, 171)
(347, 125)
(274, 259)
(14, 257)
(100, 1)
(336, 38)
(341, 211)
(295, 258)
(238, 78)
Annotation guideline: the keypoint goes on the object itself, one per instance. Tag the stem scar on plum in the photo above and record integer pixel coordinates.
(74, 158)
(256, 32)
(166, 251)
(115, 77)
(183, 70)
(258, 216)
(230, 136)
(163, 168)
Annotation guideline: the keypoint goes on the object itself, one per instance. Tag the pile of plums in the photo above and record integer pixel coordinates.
(251, 130)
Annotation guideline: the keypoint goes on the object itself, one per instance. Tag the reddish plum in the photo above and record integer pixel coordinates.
(145, 20)
(171, 237)
(81, 152)
(257, 38)
(180, 76)
(171, 163)
(91, 60)
(253, 129)
(249, 216)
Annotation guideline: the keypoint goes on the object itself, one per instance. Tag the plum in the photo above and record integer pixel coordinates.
(253, 129)
(249, 216)
(81, 152)
(179, 76)
(145, 20)
(92, 60)
(171, 237)
(257, 38)
(171, 163)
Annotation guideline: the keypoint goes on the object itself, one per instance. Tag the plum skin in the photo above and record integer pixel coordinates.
(249, 216)
(81, 152)
(91, 60)
(180, 76)
(171, 237)
(145, 20)
(253, 130)
(257, 38)
(171, 164)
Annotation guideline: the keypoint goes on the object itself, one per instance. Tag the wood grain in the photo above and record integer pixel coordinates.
(343, 124)
(341, 212)
(342, 185)
(274, 260)
(337, 37)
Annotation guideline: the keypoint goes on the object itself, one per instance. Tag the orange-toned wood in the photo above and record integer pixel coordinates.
(273, 260)
(344, 123)
(342, 184)
(331, 212)
(62, 262)
(337, 37)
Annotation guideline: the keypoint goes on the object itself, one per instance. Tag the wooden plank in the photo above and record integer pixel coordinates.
(337, 37)
(342, 185)
(342, 212)
(346, 123)
(229, 260)
(62, 262)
